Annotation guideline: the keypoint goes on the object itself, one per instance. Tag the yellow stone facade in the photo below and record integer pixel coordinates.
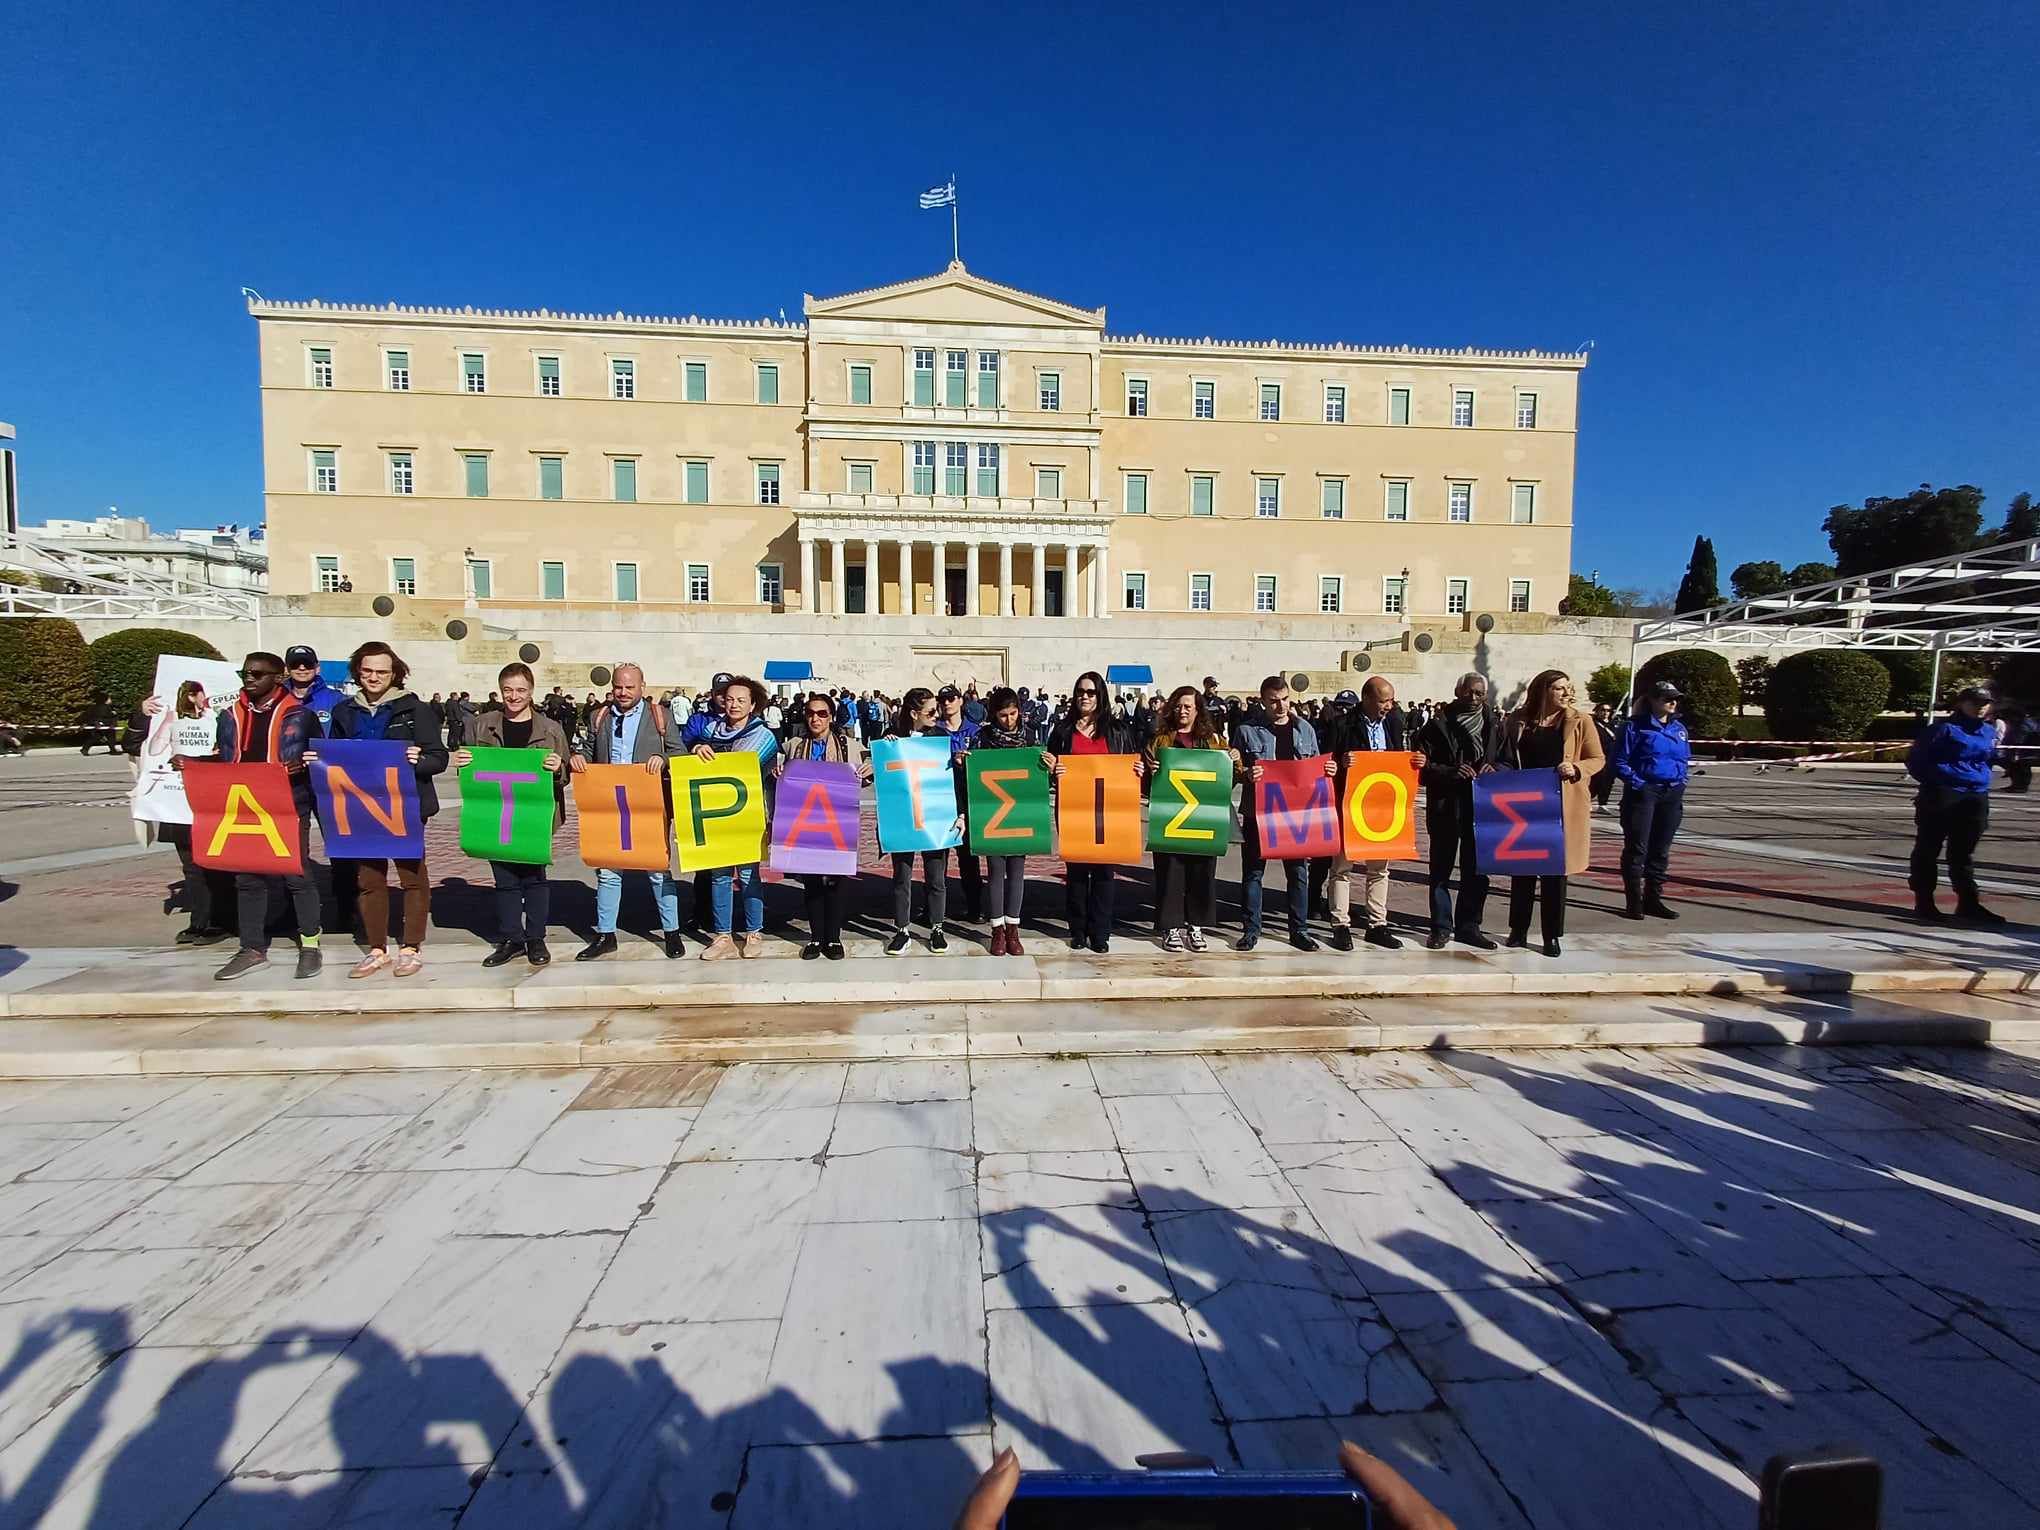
(1003, 448)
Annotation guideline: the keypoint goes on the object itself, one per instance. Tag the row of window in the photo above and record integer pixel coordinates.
(547, 376)
(958, 477)
(402, 476)
(1331, 593)
(961, 385)
(1268, 403)
(696, 586)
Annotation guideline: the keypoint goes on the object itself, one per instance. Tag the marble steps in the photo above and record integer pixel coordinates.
(509, 1037)
(137, 983)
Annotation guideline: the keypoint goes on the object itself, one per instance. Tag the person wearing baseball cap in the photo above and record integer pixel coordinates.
(301, 676)
(1652, 757)
(1952, 762)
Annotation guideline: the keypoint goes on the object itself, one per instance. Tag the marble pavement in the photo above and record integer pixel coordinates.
(1551, 1285)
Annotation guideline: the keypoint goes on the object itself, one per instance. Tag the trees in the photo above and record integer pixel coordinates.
(1608, 685)
(1811, 572)
(45, 676)
(1705, 680)
(1883, 532)
(1752, 679)
(1701, 587)
(2022, 520)
(1585, 597)
(1751, 581)
(124, 663)
(1825, 693)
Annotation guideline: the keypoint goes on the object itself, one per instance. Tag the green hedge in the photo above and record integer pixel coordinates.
(45, 672)
(1826, 693)
(1706, 681)
(124, 663)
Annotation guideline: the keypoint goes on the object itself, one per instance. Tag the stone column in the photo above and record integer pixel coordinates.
(1005, 579)
(1040, 551)
(1071, 555)
(1102, 597)
(838, 561)
(808, 593)
(970, 578)
(907, 576)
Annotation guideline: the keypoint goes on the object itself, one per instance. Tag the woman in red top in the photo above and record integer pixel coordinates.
(1090, 728)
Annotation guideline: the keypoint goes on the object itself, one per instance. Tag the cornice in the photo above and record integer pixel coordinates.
(1304, 350)
(540, 318)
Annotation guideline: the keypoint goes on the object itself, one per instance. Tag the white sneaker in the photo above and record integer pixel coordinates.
(1195, 937)
(1173, 941)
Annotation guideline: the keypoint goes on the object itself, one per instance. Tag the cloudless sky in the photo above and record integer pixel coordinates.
(1803, 237)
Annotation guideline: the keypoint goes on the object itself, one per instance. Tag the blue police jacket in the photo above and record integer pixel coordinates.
(1954, 755)
(1652, 753)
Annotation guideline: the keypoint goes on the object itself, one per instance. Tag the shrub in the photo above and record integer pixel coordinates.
(1826, 693)
(45, 674)
(124, 663)
(1607, 685)
(1707, 683)
(1911, 669)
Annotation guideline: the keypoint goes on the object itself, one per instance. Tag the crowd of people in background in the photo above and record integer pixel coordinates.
(286, 706)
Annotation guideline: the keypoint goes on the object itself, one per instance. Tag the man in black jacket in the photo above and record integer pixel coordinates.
(1459, 743)
(1371, 722)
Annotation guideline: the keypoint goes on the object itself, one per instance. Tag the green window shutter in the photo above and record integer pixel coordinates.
(626, 480)
(551, 478)
(626, 581)
(696, 387)
(1398, 406)
(554, 581)
(768, 385)
(1136, 494)
(860, 478)
(478, 477)
(1200, 496)
(988, 381)
(482, 576)
(860, 385)
(697, 483)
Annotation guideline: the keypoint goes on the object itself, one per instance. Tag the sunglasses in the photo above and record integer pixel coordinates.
(1087, 690)
(258, 674)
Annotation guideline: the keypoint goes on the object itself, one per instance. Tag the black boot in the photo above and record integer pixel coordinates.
(1925, 909)
(1632, 893)
(1654, 903)
(1972, 912)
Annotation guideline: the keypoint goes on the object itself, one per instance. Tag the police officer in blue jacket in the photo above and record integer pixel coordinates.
(1652, 758)
(1952, 762)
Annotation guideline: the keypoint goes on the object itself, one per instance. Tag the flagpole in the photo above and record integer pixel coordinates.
(955, 248)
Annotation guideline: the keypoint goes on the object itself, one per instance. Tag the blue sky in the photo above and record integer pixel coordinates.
(1802, 237)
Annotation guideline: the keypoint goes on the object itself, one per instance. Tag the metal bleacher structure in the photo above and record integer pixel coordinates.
(52, 578)
(1986, 600)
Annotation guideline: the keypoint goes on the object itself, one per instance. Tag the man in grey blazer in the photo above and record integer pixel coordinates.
(631, 730)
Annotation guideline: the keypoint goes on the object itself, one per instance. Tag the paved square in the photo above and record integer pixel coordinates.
(1550, 1285)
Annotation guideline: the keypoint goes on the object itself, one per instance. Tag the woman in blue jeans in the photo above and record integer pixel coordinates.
(741, 727)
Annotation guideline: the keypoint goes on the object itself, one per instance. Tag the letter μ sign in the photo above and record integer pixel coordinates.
(1519, 823)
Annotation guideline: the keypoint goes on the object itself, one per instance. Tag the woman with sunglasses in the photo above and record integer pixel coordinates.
(1089, 728)
(828, 897)
(1186, 886)
(917, 718)
(741, 728)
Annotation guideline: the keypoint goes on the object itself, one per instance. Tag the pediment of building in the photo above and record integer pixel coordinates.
(953, 296)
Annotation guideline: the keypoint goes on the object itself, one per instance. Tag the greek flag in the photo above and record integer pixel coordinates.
(939, 196)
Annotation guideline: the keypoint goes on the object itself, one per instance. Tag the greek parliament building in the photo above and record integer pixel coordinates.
(955, 463)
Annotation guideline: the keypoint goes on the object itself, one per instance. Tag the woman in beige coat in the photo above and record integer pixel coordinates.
(1547, 732)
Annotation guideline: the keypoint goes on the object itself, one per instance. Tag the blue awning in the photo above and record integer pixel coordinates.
(1129, 674)
(789, 669)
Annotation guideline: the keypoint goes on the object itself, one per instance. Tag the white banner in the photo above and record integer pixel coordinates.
(159, 789)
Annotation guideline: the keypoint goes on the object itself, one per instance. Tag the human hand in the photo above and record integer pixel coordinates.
(705, 752)
(577, 764)
(1467, 772)
(1418, 762)
(1055, 767)
(1331, 765)
(551, 762)
(151, 705)
(987, 1503)
(1047, 760)
(411, 755)
(1254, 774)
(1568, 772)
(1347, 758)
(460, 759)
(1397, 1505)
(864, 775)
(655, 764)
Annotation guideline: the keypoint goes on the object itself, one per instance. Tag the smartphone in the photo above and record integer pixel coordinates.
(1830, 1487)
(1147, 1500)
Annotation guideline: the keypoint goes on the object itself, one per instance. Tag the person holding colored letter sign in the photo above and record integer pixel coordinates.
(1190, 773)
(1097, 767)
(1290, 812)
(917, 813)
(352, 786)
(1007, 779)
(523, 887)
(1459, 745)
(723, 821)
(266, 725)
(1547, 734)
(631, 730)
(1377, 794)
(815, 823)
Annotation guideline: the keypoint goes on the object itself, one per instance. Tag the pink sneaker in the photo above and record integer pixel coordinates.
(409, 964)
(370, 964)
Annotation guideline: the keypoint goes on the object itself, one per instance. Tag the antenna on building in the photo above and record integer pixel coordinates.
(250, 292)
(1586, 345)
